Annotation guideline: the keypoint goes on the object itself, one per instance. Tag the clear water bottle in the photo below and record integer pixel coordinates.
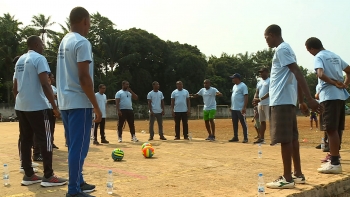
(190, 136)
(110, 182)
(6, 175)
(259, 151)
(261, 186)
(322, 144)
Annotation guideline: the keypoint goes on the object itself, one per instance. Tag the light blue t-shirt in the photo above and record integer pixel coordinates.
(30, 95)
(283, 84)
(180, 103)
(101, 101)
(209, 97)
(74, 48)
(333, 67)
(263, 87)
(237, 97)
(125, 99)
(156, 101)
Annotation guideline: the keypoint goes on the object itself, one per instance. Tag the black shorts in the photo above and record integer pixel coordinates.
(283, 124)
(333, 117)
(38, 123)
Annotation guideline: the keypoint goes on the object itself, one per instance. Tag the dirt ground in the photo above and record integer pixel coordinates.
(179, 168)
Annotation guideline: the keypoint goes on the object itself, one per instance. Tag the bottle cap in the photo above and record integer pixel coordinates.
(109, 171)
(260, 174)
(5, 165)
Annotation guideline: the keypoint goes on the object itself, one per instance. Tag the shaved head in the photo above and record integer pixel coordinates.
(32, 41)
(77, 15)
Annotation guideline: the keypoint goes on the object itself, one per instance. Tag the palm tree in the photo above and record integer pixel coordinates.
(41, 22)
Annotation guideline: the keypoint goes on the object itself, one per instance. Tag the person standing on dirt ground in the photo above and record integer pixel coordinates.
(53, 118)
(239, 101)
(313, 117)
(180, 109)
(155, 100)
(31, 87)
(256, 120)
(261, 98)
(36, 148)
(329, 68)
(76, 97)
(125, 111)
(209, 110)
(102, 103)
(286, 82)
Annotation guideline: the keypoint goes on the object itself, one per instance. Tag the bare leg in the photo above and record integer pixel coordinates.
(287, 152)
(316, 124)
(207, 126)
(212, 124)
(311, 126)
(296, 158)
(333, 141)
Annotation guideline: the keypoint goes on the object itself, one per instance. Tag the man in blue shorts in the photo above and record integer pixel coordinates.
(332, 95)
(209, 94)
(76, 97)
(286, 82)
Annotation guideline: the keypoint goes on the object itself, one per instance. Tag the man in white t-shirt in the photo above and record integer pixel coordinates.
(181, 109)
(286, 83)
(155, 100)
(261, 98)
(239, 101)
(209, 110)
(76, 97)
(329, 68)
(101, 99)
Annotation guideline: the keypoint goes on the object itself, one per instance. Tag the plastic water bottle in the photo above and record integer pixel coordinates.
(6, 175)
(190, 136)
(322, 144)
(261, 186)
(110, 182)
(259, 151)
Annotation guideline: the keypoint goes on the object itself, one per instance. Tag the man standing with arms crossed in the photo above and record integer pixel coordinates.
(180, 109)
(329, 68)
(76, 97)
(155, 100)
(261, 98)
(209, 110)
(286, 83)
(31, 88)
(125, 111)
(102, 102)
(239, 101)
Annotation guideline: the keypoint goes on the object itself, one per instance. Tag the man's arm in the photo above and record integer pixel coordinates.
(256, 95)
(133, 95)
(14, 88)
(245, 104)
(194, 95)
(163, 111)
(188, 100)
(172, 106)
(88, 87)
(149, 102)
(218, 94)
(347, 76)
(325, 78)
(117, 102)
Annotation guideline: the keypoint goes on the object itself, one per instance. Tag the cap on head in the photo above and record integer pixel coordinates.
(236, 75)
(263, 70)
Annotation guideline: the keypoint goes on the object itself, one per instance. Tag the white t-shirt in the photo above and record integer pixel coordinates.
(283, 84)
(237, 97)
(180, 103)
(30, 95)
(101, 101)
(125, 99)
(74, 48)
(209, 97)
(263, 87)
(156, 101)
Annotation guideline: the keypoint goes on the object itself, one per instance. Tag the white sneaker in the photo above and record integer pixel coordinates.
(120, 140)
(34, 165)
(280, 183)
(328, 168)
(298, 179)
(134, 139)
(21, 170)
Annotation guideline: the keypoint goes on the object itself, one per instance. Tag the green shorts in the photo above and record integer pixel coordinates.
(209, 114)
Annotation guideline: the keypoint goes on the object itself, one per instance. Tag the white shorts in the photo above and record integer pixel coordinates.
(264, 113)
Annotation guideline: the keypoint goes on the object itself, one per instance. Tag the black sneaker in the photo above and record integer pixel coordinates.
(53, 181)
(81, 194)
(176, 138)
(318, 146)
(245, 141)
(186, 138)
(208, 138)
(104, 141)
(235, 139)
(162, 138)
(54, 146)
(31, 180)
(150, 138)
(212, 138)
(38, 157)
(259, 141)
(87, 188)
(95, 142)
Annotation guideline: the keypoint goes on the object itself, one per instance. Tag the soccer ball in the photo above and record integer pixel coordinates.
(146, 144)
(117, 154)
(148, 151)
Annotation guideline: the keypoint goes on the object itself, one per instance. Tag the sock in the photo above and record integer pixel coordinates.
(335, 160)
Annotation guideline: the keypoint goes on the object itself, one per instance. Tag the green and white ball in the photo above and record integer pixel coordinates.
(117, 154)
